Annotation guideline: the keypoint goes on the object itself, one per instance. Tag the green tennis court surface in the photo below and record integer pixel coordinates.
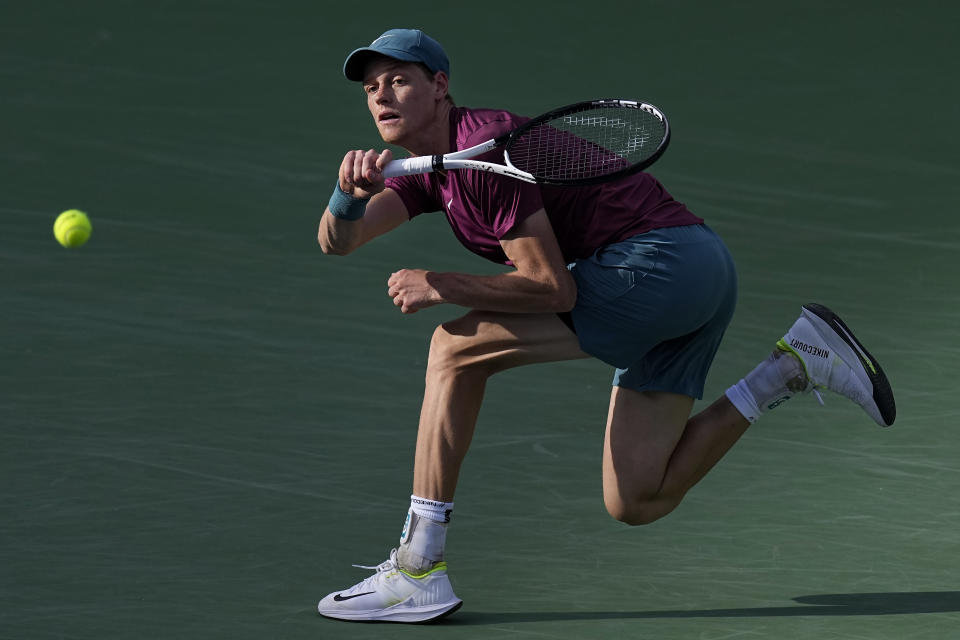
(204, 421)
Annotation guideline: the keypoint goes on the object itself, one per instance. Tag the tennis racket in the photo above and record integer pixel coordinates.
(582, 143)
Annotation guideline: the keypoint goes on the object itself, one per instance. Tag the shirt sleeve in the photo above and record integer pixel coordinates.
(416, 195)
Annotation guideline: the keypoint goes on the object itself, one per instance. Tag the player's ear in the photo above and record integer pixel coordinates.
(442, 84)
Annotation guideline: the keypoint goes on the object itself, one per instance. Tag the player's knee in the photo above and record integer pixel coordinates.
(443, 350)
(639, 510)
(452, 351)
(634, 515)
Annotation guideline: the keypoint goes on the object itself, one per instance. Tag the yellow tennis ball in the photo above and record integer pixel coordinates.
(72, 228)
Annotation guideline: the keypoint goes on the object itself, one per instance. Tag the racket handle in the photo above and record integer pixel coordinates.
(408, 166)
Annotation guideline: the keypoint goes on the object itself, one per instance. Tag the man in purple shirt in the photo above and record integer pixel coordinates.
(619, 271)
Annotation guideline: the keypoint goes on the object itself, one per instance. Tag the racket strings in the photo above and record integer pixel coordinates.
(588, 144)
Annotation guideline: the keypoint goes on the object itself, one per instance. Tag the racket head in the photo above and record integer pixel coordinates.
(589, 142)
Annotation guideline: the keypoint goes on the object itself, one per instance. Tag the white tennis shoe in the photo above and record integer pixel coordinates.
(393, 595)
(834, 359)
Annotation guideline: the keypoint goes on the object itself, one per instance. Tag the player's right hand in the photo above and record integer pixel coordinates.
(361, 172)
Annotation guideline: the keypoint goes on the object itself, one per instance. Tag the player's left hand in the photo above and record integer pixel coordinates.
(411, 290)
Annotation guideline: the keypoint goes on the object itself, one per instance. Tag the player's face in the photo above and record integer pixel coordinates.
(402, 99)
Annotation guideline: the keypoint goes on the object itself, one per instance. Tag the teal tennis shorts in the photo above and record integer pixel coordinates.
(656, 306)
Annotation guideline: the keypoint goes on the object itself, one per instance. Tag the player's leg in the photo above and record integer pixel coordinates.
(657, 307)
(464, 353)
(654, 452)
(652, 458)
(412, 585)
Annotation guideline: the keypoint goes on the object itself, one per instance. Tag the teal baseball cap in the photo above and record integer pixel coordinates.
(409, 45)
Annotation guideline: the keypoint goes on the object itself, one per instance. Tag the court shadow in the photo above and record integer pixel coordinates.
(841, 604)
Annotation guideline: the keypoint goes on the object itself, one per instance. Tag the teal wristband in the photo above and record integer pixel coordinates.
(345, 206)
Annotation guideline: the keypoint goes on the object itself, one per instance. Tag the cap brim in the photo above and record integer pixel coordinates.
(357, 61)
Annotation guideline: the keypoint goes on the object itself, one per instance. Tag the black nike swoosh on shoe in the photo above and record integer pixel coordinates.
(340, 597)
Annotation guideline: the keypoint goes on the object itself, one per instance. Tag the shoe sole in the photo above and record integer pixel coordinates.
(402, 616)
(882, 392)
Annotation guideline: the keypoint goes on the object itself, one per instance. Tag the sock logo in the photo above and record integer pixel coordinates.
(446, 515)
(807, 348)
(427, 503)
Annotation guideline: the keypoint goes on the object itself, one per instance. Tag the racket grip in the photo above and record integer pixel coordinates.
(408, 166)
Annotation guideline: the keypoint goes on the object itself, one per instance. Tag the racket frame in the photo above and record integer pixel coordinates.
(462, 159)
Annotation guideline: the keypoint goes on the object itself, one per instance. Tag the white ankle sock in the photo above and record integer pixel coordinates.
(771, 383)
(433, 509)
(424, 535)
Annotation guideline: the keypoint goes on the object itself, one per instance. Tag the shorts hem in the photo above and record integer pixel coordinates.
(684, 390)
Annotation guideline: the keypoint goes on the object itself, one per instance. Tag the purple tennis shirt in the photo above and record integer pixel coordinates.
(483, 207)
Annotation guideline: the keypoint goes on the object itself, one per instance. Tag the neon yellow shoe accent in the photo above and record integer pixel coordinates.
(867, 362)
(783, 346)
(440, 566)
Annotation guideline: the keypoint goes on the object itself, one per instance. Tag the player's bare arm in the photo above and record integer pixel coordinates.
(360, 177)
(541, 282)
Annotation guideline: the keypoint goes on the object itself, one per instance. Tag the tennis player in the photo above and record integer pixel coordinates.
(619, 271)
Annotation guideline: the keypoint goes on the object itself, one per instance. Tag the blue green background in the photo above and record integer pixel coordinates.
(204, 421)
